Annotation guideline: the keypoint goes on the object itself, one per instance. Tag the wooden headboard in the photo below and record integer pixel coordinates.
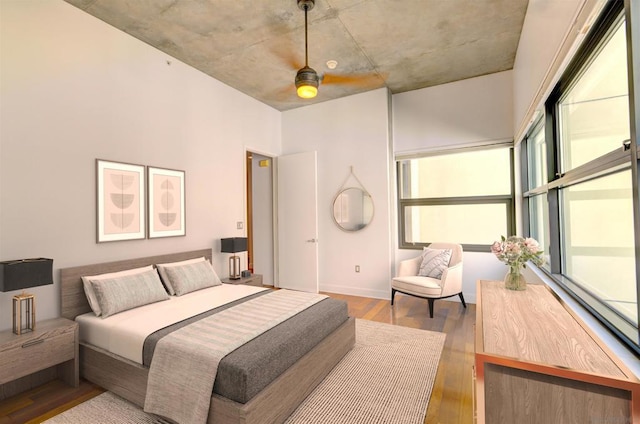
(72, 298)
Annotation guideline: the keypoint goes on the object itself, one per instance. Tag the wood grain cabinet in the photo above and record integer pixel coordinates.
(254, 280)
(536, 362)
(30, 359)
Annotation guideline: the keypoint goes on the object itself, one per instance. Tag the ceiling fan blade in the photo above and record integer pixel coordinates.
(287, 57)
(284, 93)
(292, 63)
(357, 80)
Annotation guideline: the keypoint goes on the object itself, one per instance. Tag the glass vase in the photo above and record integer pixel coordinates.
(514, 280)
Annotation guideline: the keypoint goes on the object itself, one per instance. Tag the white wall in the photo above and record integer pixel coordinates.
(465, 113)
(74, 89)
(352, 131)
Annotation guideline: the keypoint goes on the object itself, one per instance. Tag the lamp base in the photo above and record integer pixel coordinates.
(234, 267)
(24, 313)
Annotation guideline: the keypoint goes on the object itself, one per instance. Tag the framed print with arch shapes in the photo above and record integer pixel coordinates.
(120, 201)
(166, 202)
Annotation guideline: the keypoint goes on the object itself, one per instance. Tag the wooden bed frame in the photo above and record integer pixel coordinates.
(129, 380)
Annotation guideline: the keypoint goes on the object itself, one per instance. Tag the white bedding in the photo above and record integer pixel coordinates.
(124, 333)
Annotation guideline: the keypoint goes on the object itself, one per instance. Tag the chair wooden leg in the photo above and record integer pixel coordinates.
(431, 302)
(393, 293)
(462, 299)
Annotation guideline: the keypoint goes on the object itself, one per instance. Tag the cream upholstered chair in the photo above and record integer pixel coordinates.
(450, 284)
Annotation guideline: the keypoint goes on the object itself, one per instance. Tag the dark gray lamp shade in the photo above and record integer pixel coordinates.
(233, 244)
(25, 273)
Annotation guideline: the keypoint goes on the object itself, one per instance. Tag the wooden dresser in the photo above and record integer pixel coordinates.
(536, 362)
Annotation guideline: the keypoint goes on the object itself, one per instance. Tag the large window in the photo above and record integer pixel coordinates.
(464, 197)
(578, 182)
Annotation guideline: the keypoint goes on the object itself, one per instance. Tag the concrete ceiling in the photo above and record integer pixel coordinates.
(257, 47)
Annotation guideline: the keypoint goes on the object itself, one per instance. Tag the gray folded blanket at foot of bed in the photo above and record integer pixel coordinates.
(246, 371)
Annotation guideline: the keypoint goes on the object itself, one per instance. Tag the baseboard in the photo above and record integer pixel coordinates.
(355, 291)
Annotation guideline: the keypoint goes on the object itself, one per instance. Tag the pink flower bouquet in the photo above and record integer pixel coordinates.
(516, 251)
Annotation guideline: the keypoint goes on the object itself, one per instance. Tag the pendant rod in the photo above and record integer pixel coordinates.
(306, 43)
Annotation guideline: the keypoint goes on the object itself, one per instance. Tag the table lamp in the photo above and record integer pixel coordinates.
(234, 245)
(19, 275)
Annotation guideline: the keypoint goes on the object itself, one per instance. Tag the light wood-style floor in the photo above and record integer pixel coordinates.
(450, 402)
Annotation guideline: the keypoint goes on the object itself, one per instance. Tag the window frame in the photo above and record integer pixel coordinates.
(507, 200)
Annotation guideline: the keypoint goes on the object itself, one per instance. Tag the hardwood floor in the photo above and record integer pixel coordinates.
(43, 402)
(450, 402)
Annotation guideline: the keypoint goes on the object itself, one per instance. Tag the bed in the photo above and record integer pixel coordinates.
(271, 401)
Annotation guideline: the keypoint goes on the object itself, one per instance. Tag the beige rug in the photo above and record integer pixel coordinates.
(386, 378)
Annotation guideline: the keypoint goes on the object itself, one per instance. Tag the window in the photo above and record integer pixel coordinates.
(594, 113)
(597, 240)
(539, 223)
(578, 182)
(537, 153)
(465, 197)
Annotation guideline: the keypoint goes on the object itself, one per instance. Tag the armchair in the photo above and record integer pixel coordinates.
(450, 284)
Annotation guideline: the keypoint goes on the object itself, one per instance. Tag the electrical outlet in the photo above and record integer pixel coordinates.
(357, 268)
(239, 225)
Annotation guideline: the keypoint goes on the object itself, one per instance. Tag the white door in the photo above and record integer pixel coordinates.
(298, 222)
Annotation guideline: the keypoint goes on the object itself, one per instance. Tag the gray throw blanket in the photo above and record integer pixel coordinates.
(185, 362)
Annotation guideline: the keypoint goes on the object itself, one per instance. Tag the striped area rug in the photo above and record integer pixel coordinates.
(386, 378)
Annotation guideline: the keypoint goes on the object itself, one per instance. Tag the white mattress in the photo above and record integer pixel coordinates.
(124, 333)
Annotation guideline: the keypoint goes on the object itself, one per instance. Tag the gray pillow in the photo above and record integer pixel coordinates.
(162, 268)
(191, 277)
(127, 292)
(434, 262)
(88, 288)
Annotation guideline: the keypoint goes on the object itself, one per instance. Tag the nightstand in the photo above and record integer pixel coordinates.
(254, 280)
(33, 358)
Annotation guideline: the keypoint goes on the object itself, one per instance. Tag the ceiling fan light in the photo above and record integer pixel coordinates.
(307, 91)
(307, 82)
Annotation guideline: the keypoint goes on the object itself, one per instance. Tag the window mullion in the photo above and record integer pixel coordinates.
(632, 13)
(607, 164)
(553, 159)
(524, 184)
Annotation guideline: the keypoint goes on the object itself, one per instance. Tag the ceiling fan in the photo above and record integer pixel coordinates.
(307, 79)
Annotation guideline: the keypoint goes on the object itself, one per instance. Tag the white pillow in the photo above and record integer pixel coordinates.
(88, 289)
(163, 267)
(192, 277)
(127, 292)
(434, 262)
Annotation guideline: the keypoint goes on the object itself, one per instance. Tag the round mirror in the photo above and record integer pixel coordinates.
(353, 209)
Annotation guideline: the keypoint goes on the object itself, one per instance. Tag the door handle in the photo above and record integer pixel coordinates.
(312, 240)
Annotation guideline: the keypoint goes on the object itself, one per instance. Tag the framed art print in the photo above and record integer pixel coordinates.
(120, 201)
(166, 202)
